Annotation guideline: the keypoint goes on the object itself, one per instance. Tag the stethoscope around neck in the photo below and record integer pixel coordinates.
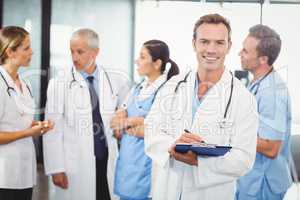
(139, 87)
(73, 81)
(259, 81)
(223, 121)
(9, 89)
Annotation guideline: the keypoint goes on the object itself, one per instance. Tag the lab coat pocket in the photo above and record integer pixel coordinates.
(12, 164)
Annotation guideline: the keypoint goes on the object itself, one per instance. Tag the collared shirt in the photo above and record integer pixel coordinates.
(273, 107)
(96, 78)
(273, 104)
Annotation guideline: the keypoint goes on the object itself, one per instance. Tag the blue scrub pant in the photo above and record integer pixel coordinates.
(264, 194)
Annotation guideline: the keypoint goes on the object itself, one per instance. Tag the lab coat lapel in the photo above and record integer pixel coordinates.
(79, 78)
(27, 99)
(212, 107)
(189, 96)
(182, 117)
(106, 98)
(80, 99)
(24, 102)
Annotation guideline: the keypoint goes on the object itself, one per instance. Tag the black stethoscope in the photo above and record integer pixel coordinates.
(258, 83)
(73, 81)
(9, 88)
(223, 122)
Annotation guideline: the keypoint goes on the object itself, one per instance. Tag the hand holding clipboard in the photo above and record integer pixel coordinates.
(202, 148)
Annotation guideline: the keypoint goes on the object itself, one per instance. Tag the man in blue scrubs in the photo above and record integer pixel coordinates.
(270, 177)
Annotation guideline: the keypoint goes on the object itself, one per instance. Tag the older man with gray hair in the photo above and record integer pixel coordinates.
(270, 177)
(80, 154)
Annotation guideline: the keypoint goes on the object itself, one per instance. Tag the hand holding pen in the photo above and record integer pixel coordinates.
(190, 157)
(189, 138)
(202, 143)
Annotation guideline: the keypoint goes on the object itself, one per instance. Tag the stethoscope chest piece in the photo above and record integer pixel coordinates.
(225, 124)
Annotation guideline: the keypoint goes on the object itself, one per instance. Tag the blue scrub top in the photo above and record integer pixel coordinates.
(196, 100)
(274, 110)
(133, 170)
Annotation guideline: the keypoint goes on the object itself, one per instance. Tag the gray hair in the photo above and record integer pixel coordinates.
(269, 42)
(90, 35)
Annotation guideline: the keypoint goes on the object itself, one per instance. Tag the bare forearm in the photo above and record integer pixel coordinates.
(37, 128)
(135, 121)
(268, 148)
(137, 131)
(118, 123)
(8, 137)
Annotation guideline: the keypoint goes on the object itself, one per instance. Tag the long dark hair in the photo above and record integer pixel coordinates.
(160, 50)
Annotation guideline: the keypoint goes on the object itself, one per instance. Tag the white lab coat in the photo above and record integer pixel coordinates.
(214, 177)
(69, 147)
(17, 159)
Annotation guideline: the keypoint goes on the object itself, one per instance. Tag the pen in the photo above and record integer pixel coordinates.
(187, 131)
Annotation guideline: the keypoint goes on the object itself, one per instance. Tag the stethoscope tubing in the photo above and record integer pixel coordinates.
(106, 75)
(11, 88)
(230, 96)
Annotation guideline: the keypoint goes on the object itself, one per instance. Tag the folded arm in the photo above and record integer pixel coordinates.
(269, 148)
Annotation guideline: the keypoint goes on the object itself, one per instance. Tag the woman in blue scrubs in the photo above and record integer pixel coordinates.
(17, 152)
(133, 169)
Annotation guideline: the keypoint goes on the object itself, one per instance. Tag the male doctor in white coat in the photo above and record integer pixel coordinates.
(80, 152)
(206, 105)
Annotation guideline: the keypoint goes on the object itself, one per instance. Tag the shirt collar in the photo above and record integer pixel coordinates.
(260, 82)
(94, 74)
(147, 89)
(154, 85)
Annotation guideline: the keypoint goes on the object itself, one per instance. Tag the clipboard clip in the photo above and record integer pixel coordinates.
(203, 144)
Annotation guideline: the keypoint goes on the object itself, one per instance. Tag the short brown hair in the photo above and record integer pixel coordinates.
(11, 37)
(212, 19)
(269, 42)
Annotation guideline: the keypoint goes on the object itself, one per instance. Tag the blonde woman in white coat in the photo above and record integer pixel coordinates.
(17, 153)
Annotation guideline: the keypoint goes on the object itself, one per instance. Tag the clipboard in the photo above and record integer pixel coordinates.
(203, 149)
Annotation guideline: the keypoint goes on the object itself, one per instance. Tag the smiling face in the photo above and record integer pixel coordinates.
(83, 56)
(211, 45)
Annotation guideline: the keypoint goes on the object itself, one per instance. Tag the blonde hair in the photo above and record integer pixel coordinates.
(10, 37)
